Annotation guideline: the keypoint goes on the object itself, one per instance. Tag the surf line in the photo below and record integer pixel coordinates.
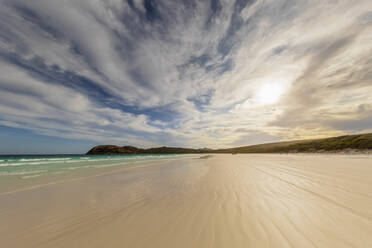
(160, 163)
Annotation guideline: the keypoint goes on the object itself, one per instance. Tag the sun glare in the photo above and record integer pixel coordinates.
(269, 93)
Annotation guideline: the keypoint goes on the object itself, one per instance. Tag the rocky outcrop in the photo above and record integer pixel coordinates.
(113, 150)
(117, 150)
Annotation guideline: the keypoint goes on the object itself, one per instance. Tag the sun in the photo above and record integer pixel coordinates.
(269, 93)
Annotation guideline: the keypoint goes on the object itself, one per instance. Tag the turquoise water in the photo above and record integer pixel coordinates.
(33, 166)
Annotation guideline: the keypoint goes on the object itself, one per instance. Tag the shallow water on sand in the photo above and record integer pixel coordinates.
(33, 166)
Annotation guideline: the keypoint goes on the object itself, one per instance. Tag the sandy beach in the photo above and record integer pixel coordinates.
(219, 201)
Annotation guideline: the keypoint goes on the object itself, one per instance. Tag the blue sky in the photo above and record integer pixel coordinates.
(181, 73)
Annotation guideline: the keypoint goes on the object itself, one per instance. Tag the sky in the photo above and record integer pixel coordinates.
(207, 73)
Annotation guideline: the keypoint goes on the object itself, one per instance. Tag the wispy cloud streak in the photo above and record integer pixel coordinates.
(187, 73)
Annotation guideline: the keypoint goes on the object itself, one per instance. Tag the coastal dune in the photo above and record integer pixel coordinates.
(219, 201)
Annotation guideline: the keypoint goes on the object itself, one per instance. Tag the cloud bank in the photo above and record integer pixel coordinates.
(186, 73)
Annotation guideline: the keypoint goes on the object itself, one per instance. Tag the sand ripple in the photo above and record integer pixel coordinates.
(223, 201)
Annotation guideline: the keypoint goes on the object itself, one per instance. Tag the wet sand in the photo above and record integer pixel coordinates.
(220, 201)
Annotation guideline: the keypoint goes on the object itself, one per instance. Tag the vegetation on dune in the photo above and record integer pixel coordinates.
(355, 142)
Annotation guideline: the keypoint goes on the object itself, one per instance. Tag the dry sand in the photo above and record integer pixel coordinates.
(222, 201)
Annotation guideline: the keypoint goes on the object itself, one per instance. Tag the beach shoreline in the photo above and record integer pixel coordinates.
(250, 200)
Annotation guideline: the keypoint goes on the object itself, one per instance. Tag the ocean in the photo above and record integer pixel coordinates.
(34, 166)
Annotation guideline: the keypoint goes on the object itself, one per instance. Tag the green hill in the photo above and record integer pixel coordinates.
(355, 142)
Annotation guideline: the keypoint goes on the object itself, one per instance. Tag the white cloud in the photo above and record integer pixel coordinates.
(205, 68)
